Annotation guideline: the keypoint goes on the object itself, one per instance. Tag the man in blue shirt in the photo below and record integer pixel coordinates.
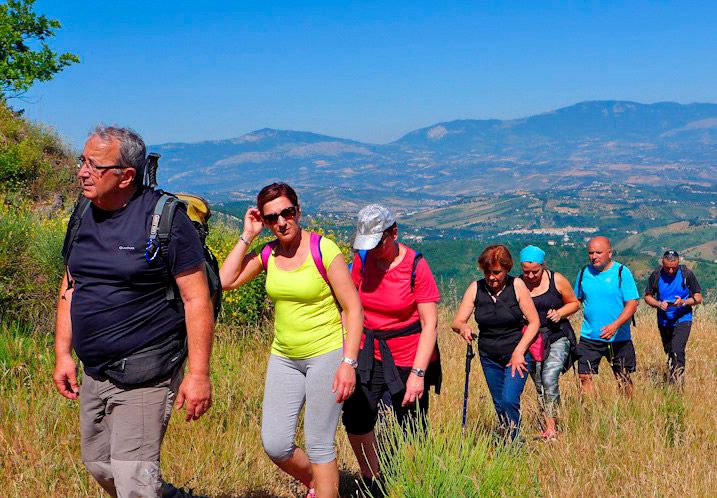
(609, 296)
(673, 289)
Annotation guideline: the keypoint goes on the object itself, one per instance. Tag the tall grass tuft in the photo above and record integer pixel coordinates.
(420, 464)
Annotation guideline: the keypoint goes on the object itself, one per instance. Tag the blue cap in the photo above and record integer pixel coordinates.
(532, 254)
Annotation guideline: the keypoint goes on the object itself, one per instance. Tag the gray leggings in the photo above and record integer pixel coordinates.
(290, 383)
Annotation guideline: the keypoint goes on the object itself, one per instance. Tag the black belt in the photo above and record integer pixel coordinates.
(366, 360)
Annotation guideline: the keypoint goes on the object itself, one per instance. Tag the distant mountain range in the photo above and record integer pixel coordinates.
(608, 141)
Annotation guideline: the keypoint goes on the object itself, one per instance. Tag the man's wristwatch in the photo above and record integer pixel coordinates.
(419, 372)
(350, 361)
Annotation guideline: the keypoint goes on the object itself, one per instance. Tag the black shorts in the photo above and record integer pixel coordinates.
(361, 409)
(619, 354)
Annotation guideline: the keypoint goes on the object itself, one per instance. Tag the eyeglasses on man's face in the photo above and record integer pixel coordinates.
(288, 213)
(96, 169)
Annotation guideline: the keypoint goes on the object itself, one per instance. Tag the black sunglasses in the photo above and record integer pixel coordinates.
(670, 254)
(286, 213)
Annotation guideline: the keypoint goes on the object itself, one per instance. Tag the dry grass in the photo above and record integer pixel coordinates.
(658, 444)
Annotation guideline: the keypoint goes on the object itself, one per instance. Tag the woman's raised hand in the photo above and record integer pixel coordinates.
(252, 223)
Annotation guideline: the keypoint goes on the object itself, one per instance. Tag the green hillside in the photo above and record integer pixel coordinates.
(37, 185)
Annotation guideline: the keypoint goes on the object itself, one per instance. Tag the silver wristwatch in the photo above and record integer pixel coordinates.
(419, 372)
(350, 361)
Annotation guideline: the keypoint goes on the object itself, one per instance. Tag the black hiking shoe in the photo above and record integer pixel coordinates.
(169, 491)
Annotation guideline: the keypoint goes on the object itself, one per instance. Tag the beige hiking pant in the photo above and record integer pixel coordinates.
(122, 431)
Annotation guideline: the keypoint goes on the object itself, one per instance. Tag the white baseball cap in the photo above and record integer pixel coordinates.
(372, 221)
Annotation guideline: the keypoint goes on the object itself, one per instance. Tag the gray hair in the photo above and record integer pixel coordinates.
(133, 151)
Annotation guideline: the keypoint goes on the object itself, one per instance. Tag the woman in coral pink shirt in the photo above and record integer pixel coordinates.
(398, 353)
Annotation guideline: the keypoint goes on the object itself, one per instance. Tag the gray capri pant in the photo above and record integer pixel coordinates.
(289, 384)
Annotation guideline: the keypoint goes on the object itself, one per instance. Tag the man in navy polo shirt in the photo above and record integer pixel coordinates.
(114, 312)
(609, 296)
(673, 289)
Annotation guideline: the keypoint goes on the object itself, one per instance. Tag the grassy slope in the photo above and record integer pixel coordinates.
(657, 444)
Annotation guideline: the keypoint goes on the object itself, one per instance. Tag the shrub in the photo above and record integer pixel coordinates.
(43, 268)
(15, 227)
(33, 159)
(30, 264)
(442, 464)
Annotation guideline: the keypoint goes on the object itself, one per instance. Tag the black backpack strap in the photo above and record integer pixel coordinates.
(154, 243)
(416, 260)
(81, 207)
(654, 283)
(169, 205)
(159, 235)
(619, 286)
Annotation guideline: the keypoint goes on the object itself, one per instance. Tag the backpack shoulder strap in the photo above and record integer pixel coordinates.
(684, 271)
(619, 286)
(266, 252)
(315, 246)
(417, 259)
(362, 256)
(160, 233)
(168, 204)
(653, 283)
(362, 260)
(81, 207)
(163, 214)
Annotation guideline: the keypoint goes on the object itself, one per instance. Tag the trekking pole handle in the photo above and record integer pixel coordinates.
(469, 356)
(151, 169)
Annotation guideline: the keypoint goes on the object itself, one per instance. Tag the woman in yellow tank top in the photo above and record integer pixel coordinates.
(311, 362)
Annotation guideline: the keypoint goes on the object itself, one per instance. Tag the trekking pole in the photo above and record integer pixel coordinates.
(469, 357)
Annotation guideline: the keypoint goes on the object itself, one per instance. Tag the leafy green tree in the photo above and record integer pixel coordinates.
(25, 57)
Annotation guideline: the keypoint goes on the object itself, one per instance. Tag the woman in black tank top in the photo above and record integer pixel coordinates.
(502, 308)
(555, 301)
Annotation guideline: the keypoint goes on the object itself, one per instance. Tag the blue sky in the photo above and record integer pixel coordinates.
(371, 71)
